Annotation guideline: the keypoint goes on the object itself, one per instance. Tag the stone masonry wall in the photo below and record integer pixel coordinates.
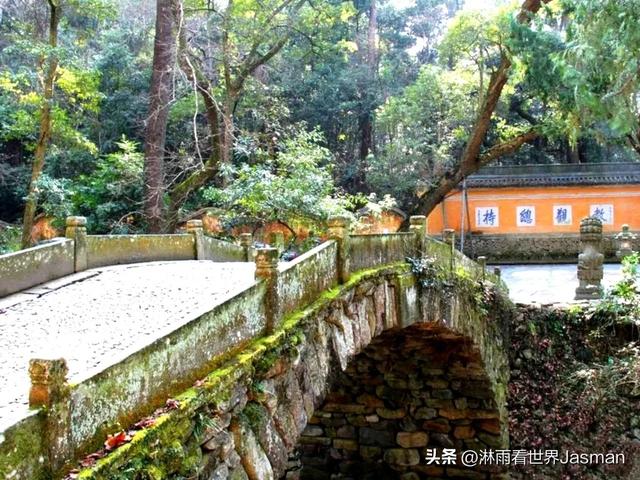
(414, 389)
(542, 248)
(244, 419)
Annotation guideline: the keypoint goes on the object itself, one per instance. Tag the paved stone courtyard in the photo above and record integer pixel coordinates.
(99, 317)
(549, 283)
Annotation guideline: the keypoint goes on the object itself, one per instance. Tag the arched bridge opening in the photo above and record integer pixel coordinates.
(399, 409)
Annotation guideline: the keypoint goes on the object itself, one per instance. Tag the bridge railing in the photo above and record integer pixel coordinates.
(79, 251)
(30, 267)
(80, 414)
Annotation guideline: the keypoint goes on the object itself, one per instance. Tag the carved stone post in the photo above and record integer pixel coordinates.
(418, 225)
(194, 227)
(77, 231)
(449, 237)
(339, 231)
(276, 239)
(246, 242)
(624, 242)
(590, 260)
(482, 261)
(50, 391)
(267, 270)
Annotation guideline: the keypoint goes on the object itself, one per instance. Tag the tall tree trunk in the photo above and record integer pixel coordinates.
(220, 113)
(366, 123)
(471, 160)
(45, 127)
(164, 61)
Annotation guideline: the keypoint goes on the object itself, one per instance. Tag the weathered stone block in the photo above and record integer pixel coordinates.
(325, 441)
(425, 413)
(453, 413)
(376, 438)
(370, 400)
(443, 440)
(402, 457)
(370, 453)
(490, 426)
(463, 432)
(412, 439)
(346, 444)
(313, 431)
(347, 408)
(442, 394)
(346, 431)
(254, 460)
(390, 413)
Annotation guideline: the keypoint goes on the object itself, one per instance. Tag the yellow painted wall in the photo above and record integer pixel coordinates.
(625, 200)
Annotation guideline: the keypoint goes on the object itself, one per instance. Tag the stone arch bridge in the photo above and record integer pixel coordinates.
(348, 362)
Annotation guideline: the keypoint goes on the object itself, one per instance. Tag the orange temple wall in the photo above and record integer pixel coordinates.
(624, 202)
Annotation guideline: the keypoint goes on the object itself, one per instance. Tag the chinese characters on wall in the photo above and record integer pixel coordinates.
(526, 216)
(604, 213)
(489, 217)
(562, 215)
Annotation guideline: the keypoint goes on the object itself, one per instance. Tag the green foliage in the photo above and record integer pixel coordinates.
(427, 126)
(110, 196)
(600, 64)
(296, 184)
(9, 239)
(620, 303)
(54, 198)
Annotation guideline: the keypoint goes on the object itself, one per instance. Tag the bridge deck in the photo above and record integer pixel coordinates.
(97, 318)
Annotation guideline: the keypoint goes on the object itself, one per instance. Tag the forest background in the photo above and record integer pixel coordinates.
(137, 113)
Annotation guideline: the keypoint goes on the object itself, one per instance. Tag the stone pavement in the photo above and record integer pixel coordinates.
(97, 318)
(549, 283)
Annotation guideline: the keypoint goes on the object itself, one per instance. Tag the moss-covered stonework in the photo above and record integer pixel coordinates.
(245, 418)
(257, 384)
(30, 267)
(540, 248)
(221, 251)
(22, 453)
(412, 389)
(301, 281)
(367, 250)
(117, 249)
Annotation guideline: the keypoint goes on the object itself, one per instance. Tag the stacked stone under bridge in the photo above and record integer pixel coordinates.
(361, 367)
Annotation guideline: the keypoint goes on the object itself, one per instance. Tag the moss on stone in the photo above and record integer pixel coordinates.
(22, 449)
(157, 446)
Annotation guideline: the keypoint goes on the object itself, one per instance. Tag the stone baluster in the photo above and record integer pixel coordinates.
(246, 242)
(590, 261)
(482, 261)
(267, 270)
(195, 228)
(77, 231)
(339, 231)
(418, 225)
(449, 237)
(50, 391)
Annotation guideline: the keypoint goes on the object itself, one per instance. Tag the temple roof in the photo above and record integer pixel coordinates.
(557, 175)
